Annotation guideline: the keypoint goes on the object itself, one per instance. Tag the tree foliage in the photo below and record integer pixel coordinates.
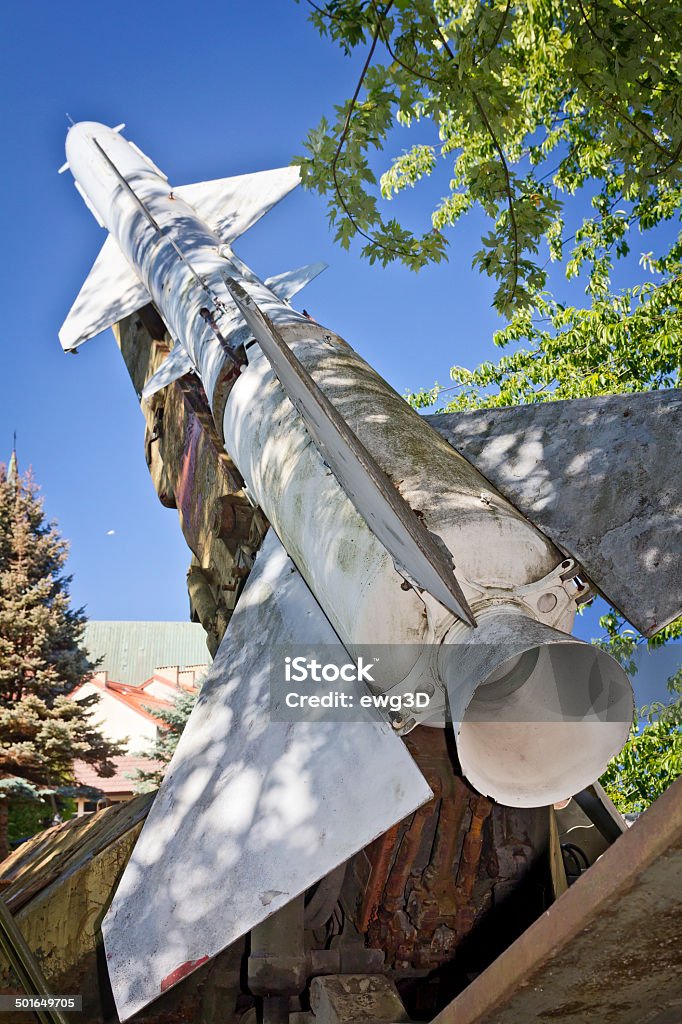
(562, 122)
(652, 757)
(41, 660)
(543, 111)
(173, 719)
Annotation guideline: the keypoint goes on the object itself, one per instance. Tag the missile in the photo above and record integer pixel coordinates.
(383, 537)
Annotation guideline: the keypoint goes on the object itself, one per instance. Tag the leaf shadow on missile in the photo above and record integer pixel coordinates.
(335, 547)
(596, 476)
(251, 812)
(439, 485)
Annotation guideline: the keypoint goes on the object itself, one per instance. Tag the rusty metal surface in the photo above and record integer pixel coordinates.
(425, 885)
(596, 476)
(60, 851)
(192, 472)
(609, 950)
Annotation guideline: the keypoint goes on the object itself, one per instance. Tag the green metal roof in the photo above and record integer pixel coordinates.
(132, 650)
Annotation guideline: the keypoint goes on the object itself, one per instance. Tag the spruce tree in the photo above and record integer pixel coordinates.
(173, 719)
(42, 731)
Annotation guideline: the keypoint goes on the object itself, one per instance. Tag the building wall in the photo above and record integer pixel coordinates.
(120, 722)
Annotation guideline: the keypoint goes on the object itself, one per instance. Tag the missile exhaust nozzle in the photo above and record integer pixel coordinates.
(537, 713)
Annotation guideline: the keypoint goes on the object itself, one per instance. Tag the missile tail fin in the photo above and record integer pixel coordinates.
(252, 811)
(232, 205)
(562, 465)
(111, 291)
(175, 366)
(291, 282)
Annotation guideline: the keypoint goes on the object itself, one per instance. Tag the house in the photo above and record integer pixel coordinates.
(142, 667)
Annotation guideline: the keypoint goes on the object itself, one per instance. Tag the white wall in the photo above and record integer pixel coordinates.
(117, 721)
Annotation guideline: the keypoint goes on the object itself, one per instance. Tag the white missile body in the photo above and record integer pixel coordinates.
(537, 714)
(182, 263)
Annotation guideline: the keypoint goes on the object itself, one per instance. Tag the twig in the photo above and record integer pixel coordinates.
(411, 70)
(323, 11)
(599, 40)
(510, 194)
(344, 133)
(498, 35)
(503, 160)
(619, 113)
(644, 21)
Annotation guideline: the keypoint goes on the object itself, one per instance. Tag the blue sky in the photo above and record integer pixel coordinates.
(206, 90)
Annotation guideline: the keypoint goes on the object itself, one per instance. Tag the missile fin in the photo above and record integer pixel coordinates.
(111, 291)
(381, 505)
(594, 475)
(175, 366)
(86, 199)
(291, 282)
(231, 205)
(252, 811)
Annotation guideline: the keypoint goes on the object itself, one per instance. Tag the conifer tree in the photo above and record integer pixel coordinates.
(42, 731)
(173, 719)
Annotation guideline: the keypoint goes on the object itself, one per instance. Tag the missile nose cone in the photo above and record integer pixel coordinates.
(75, 136)
(537, 713)
(82, 132)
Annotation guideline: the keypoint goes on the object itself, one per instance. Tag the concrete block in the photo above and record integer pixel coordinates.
(355, 998)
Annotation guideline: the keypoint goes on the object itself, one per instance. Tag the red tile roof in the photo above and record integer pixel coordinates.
(136, 697)
(121, 782)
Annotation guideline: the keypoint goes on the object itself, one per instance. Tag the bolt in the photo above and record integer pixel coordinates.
(546, 602)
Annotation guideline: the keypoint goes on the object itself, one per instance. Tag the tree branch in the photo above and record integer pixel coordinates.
(323, 11)
(505, 167)
(611, 107)
(411, 70)
(344, 133)
(598, 39)
(498, 35)
(509, 190)
(643, 20)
